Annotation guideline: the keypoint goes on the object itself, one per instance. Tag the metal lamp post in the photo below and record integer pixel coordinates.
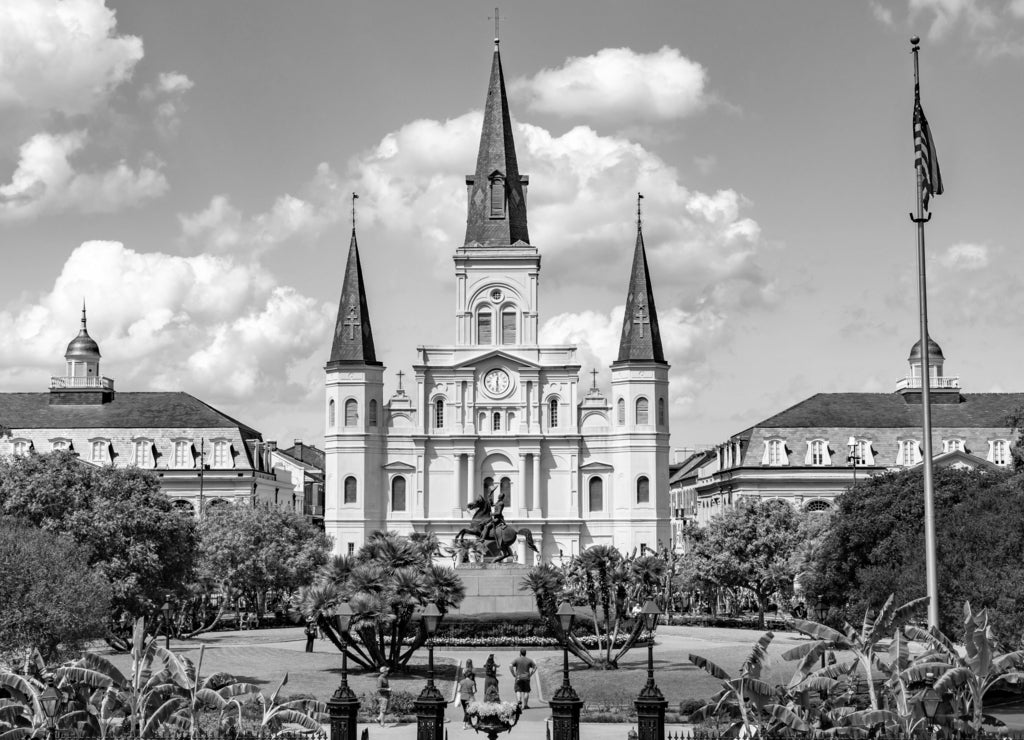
(650, 704)
(566, 703)
(430, 704)
(168, 613)
(50, 701)
(343, 706)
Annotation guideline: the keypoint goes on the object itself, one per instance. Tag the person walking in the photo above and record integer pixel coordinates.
(522, 669)
(383, 695)
(310, 635)
(467, 693)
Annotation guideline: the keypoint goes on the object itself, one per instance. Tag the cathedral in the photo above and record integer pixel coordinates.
(577, 466)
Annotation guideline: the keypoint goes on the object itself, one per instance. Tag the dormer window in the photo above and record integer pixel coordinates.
(222, 457)
(952, 445)
(60, 444)
(99, 451)
(817, 453)
(497, 199)
(775, 453)
(22, 447)
(142, 453)
(999, 452)
(183, 456)
(909, 452)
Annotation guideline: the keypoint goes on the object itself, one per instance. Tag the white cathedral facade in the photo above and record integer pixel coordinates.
(577, 467)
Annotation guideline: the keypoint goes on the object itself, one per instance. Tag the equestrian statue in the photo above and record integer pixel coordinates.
(490, 528)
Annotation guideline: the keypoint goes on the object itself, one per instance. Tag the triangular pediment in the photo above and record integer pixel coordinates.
(959, 459)
(399, 466)
(497, 354)
(597, 467)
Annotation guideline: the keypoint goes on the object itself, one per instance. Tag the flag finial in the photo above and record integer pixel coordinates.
(354, 196)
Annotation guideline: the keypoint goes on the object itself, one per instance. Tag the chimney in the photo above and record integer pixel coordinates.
(271, 445)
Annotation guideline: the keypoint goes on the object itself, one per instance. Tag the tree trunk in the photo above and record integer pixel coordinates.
(762, 604)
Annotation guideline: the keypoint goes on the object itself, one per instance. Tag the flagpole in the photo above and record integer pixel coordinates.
(931, 566)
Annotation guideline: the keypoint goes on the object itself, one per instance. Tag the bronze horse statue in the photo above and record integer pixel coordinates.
(504, 535)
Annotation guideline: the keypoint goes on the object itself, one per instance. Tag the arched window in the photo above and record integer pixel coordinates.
(372, 412)
(661, 412)
(506, 488)
(100, 450)
(818, 505)
(484, 335)
(351, 412)
(350, 490)
(596, 494)
(398, 493)
(642, 415)
(620, 414)
(643, 490)
(439, 413)
(553, 413)
(508, 326)
(818, 452)
(776, 452)
(488, 482)
(330, 413)
(496, 422)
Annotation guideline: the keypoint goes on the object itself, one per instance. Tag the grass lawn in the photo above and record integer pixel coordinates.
(314, 674)
(675, 675)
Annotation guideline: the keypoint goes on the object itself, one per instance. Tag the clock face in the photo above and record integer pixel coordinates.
(496, 381)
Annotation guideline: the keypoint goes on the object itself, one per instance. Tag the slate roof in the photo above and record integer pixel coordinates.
(306, 454)
(690, 465)
(126, 410)
(892, 410)
(641, 337)
(353, 336)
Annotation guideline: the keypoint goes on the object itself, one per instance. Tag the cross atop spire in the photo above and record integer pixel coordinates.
(497, 36)
(353, 337)
(641, 337)
(497, 193)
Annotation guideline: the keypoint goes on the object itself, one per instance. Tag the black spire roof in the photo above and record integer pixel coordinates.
(641, 338)
(353, 337)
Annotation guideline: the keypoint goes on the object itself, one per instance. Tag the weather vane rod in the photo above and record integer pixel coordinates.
(639, 197)
(354, 196)
(497, 36)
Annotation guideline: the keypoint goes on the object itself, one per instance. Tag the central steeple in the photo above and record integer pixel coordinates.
(497, 193)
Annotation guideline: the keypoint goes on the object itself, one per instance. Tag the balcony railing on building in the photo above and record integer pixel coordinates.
(89, 381)
(913, 381)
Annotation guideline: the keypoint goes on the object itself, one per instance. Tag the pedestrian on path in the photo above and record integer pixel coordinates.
(522, 669)
(383, 695)
(310, 635)
(467, 692)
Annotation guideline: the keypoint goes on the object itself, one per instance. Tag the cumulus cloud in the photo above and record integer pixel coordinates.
(167, 94)
(222, 227)
(882, 14)
(965, 257)
(619, 86)
(167, 322)
(62, 55)
(46, 181)
(977, 15)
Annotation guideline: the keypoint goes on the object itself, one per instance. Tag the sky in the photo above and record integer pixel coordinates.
(186, 168)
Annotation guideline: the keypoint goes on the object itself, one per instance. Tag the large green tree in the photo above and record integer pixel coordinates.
(750, 546)
(49, 595)
(875, 546)
(143, 546)
(252, 550)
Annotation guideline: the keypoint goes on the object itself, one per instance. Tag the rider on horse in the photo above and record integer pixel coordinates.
(497, 518)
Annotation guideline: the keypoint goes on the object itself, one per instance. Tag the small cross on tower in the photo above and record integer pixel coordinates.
(640, 318)
(352, 321)
(400, 376)
(594, 373)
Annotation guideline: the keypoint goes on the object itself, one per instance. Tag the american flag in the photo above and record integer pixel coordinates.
(925, 159)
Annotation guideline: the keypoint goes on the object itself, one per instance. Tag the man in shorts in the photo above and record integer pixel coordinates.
(383, 694)
(523, 668)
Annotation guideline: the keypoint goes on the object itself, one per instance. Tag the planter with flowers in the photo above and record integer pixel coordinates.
(493, 718)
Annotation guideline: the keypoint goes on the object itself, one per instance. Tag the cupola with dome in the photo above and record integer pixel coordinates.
(942, 388)
(81, 382)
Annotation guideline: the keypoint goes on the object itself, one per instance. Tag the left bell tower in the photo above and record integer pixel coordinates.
(354, 422)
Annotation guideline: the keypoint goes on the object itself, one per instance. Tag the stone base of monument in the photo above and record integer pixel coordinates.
(493, 588)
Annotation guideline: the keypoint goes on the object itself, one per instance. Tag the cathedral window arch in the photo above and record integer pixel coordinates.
(484, 326)
(351, 412)
(438, 413)
(553, 412)
(620, 411)
(643, 490)
(331, 418)
(643, 415)
(371, 413)
(508, 325)
(661, 412)
(398, 493)
(350, 493)
(596, 493)
(496, 421)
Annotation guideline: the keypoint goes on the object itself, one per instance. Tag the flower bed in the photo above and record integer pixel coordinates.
(505, 712)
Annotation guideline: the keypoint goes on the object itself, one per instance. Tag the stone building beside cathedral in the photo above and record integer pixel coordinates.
(577, 467)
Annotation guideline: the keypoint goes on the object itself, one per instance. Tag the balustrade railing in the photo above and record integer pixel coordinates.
(947, 381)
(91, 381)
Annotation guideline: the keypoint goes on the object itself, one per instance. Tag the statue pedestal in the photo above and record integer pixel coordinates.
(493, 588)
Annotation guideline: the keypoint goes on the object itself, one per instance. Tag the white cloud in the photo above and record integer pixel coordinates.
(965, 257)
(620, 86)
(168, 322)
(45, 181)
(1016, 8)
(222, 227)
(881, 13)
(947, 13)
(62, 55)
(167, 93)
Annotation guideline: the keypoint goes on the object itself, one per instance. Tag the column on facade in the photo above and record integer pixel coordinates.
(458, 500)
(471, 472)
(520, 508)
(536, 481)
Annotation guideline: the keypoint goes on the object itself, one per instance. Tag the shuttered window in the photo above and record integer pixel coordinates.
(497, 198)
(483, 327)
(351, 412)
(642, 413)
(508, 327)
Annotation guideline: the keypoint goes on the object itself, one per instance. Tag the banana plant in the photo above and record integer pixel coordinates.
(753, 700)
(863, 643)
(21, 715)
(970, 674)
(306, 713)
